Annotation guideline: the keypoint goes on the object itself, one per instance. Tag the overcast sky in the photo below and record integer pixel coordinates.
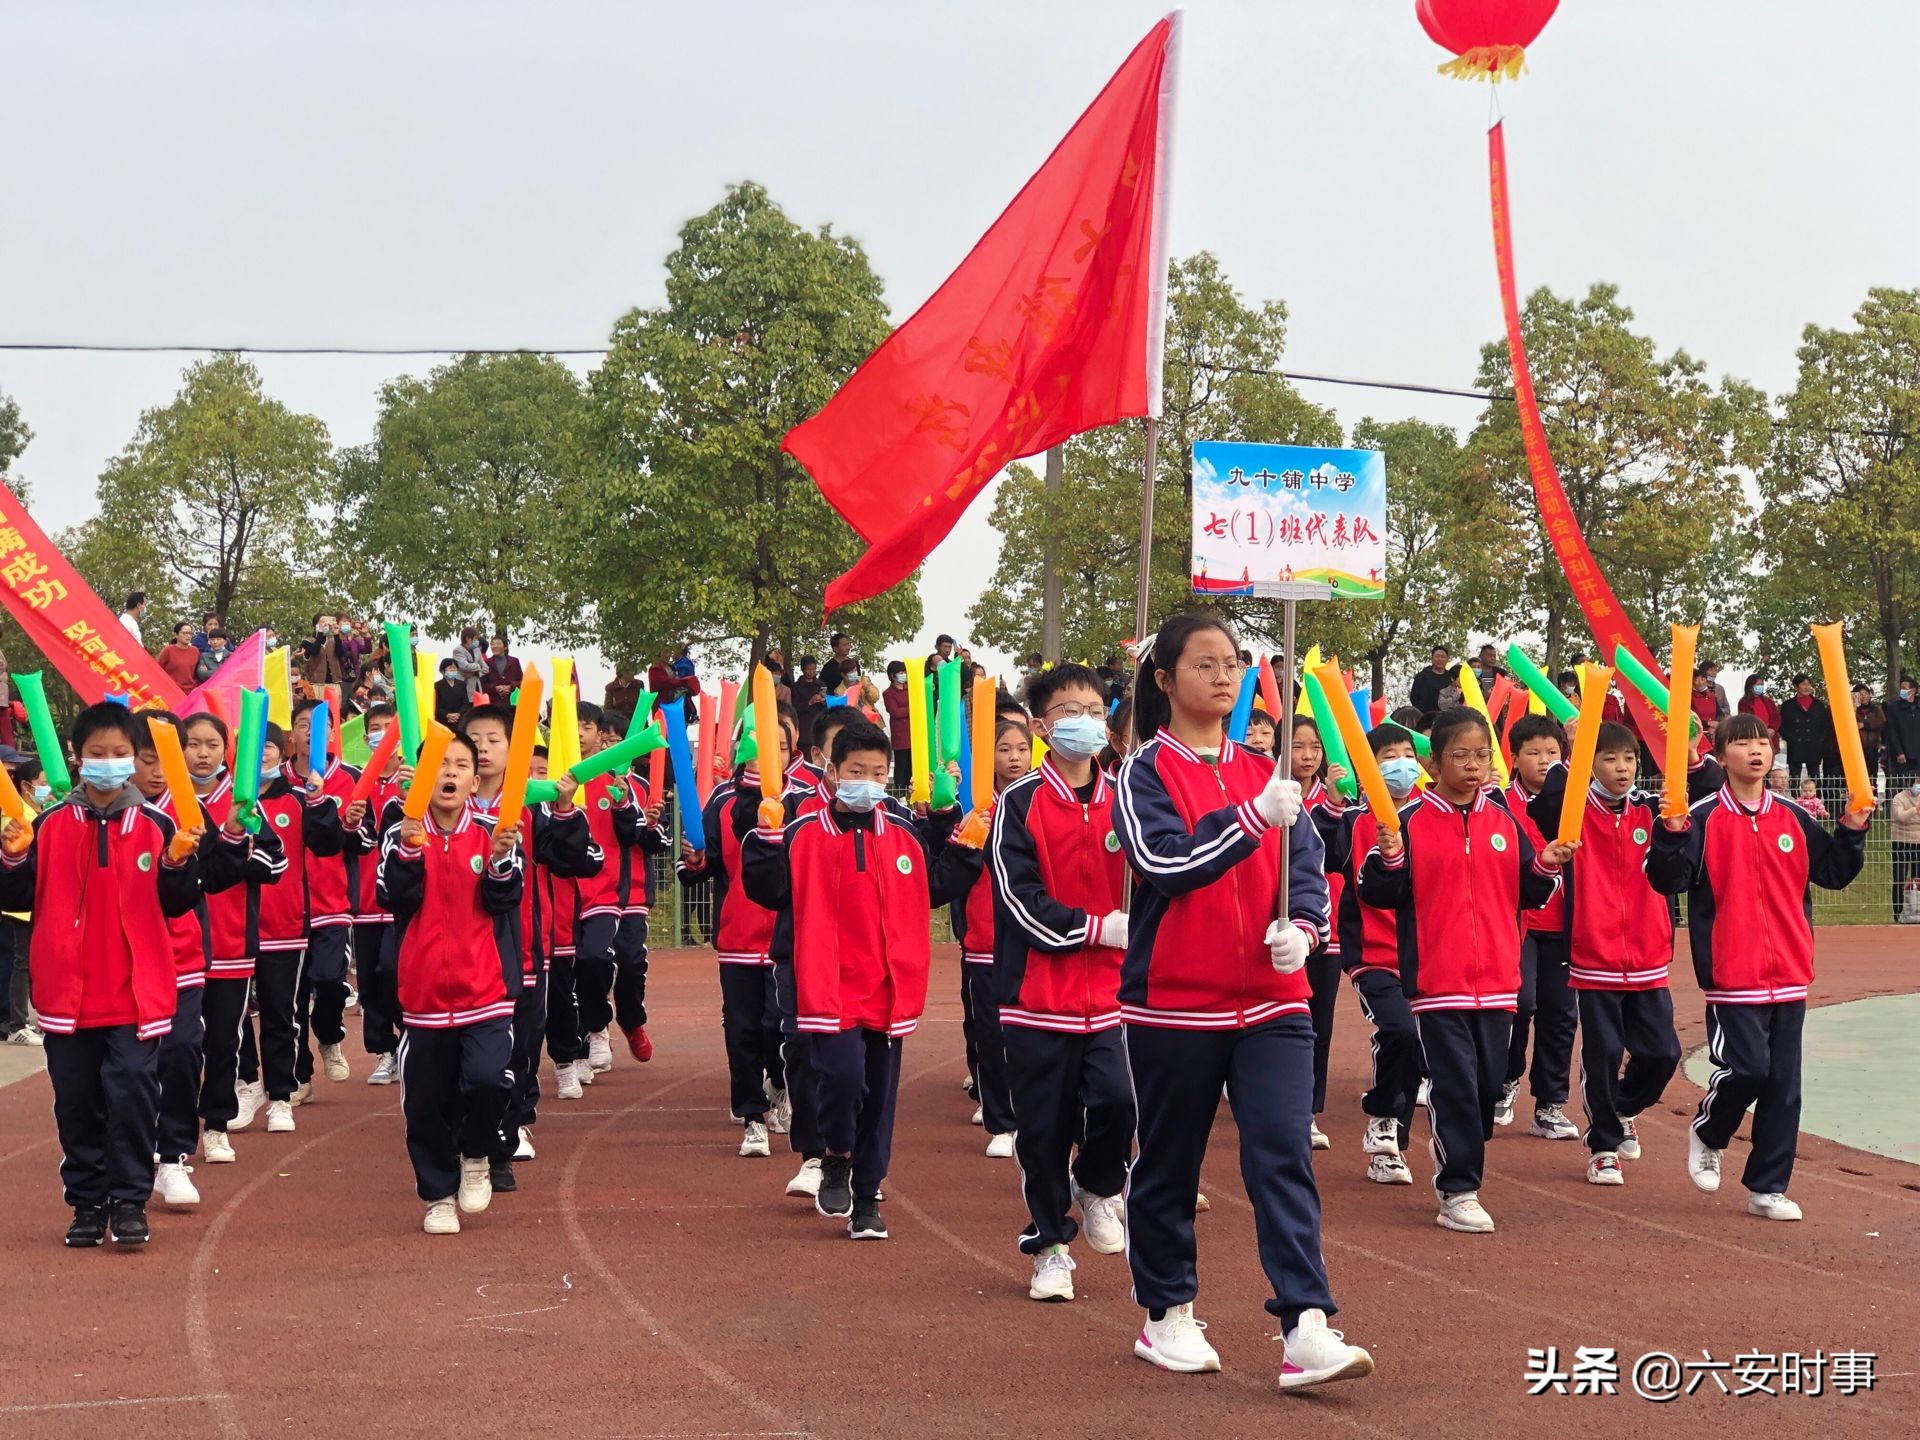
(481, 175)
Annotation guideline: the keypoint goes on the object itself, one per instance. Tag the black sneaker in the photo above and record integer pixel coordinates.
(866, 1223)
(501, 1173)
(836, 1187)
(129, 1223)
(89, 1225)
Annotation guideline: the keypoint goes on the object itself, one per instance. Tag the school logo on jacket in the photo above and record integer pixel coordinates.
(605, 803)
(1786, 844)
(904, 864)
(1499, 843)
(478, 864)
(1639, 836)
(145, 862)
(280, 821)
(1113, 841)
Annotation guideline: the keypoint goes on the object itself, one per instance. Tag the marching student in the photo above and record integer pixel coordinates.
(454, 886)
(234, 932)
(307, 823)
(1746, 858)
(1620, 941)
(1457, 874)
(1261, 733)
(596, 923)
(1060, 932)
(976, 930)
(103, 873)
(1546, 1004)
(1370, 954)
(223, 855)
(1307, 760)
(760, 1093)
(320, 1005)
(1213, 993)
(641, 836)
(855, 887)
(372, 922)
(557, 839)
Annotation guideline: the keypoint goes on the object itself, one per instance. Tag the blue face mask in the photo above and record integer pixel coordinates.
(861, 795)
(106, 774)
(41, 795)
(1401, 773)
(1081, 736)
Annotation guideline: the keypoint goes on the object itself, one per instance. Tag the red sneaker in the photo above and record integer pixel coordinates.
(639, 1044)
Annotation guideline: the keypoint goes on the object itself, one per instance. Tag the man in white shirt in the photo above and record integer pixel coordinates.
(130, 616)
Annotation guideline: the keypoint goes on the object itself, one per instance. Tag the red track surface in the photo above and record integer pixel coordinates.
(645, 1281)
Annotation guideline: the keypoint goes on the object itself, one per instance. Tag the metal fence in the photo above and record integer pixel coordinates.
(1887, 890)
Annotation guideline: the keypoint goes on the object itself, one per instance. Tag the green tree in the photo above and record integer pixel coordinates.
(471, 498)
(703, 530)
(208, 504)
(14, 434)
(1649, 452)
(1222, 381)
(1841, 515)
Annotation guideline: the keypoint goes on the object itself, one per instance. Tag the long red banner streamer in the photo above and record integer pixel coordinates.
(1605, 619)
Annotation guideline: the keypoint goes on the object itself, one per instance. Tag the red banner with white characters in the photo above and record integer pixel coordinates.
(1608, 623)
(71, 625)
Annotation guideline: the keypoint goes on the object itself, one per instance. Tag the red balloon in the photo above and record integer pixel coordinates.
(1488, 37)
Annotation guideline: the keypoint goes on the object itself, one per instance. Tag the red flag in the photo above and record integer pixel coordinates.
(1051, 325)
(241, 670)
(70, 624)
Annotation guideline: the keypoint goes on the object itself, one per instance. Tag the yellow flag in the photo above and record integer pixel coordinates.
(276, 678)
(563, 740)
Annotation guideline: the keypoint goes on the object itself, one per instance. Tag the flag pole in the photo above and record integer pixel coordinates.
(1157, 309)
(1146, 528)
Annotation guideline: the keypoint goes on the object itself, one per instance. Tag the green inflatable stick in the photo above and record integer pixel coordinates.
(619, 757)
(1330, 741)
(542, 792)
(748, 750)
(1649, 686)
(46, 738)
(248, 751)
(1422, 746)
(353, 741)
(406, 699)
(1543, 689)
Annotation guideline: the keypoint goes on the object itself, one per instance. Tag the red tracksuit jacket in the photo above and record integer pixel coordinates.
(1056, 872)
(1369, 936)
(456, 918)
(309, 830)
(1550, 918)
(102, 888)
(235, 913)
(224, 863)
(558, 842)
(742, 930)
(1457, 890)
(1326, 809)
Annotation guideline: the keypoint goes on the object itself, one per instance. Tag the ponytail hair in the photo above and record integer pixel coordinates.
(1152, 708)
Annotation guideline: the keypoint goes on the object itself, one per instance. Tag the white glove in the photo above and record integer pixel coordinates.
(1287, 943)
(1112, 930)
(1279, 803)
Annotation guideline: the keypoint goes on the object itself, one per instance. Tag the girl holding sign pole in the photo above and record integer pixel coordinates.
(1213, 993)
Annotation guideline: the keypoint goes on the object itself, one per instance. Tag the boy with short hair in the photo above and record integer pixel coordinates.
(372, 922)
(454, 886)
(1260, 733)
(1621, 942)
(1746, 860)
(1546, 1004)
(103, 873)
(854, 888)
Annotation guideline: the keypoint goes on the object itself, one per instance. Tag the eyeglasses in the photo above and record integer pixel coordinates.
(1074, 710)
(1211, 670)
(1462, 757)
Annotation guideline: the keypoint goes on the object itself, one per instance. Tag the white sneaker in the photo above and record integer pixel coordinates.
(1318, 1355)
(335, 1059)
(1177, 1343)
(1424, 1096)
(779, 1112)
(252, 1100)
(1550, 1122)
(1318, 1137)
(979, 1115)
(386, 1069)
(1772, 1205)
(1630, 1146)
(1502, 1108)
(1382, 1137)
(567, 1081)
(442, 1218)
(1389, 1170)
(476, 1185)
(1103, 1220)
(753, 1140)
(1052, 1275)
(1463, 1212)
(583, 1070)
(1000, 1147)
(303, 1094)
(599, 1052)
(807, 1182)
(216, 1148)
(1703, 1162)
(279, 1117)
(171, 1184)
(27, 1035)
(524, 1150)
(1604, 1169)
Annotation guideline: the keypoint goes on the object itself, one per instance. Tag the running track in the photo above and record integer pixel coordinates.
(646, 1282)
